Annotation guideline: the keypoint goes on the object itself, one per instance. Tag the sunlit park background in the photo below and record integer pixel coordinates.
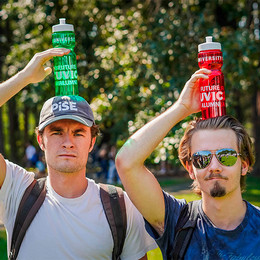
(134, 58)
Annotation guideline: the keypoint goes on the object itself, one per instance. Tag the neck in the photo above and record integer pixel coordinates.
(68, 185)
(226, 212)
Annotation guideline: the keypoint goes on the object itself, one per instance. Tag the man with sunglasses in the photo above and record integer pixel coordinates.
(217, 153)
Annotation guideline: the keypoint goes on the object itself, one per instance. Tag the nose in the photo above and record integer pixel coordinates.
(67, 141)
(215, 165)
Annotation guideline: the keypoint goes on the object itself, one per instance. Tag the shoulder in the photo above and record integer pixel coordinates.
(173, 206)
(16, 181)
(253, 209)
(17, 175)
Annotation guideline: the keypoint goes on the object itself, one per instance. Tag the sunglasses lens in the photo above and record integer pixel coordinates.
(201, 159)
(227, 157)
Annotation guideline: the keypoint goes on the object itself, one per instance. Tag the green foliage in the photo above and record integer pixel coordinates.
(252, 193)
(134, 57)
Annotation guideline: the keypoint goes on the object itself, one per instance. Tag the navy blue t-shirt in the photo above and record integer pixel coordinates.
(209, 242)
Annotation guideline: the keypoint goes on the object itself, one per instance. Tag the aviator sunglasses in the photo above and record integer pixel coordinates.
(226, 156)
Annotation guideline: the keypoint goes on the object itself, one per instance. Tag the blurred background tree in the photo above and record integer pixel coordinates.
(134, 58)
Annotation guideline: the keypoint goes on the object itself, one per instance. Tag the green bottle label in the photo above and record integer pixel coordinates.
(65, 67)
(66, 75)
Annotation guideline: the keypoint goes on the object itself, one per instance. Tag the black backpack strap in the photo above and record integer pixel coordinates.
(184, 229)
(31, 201)
(113, 202)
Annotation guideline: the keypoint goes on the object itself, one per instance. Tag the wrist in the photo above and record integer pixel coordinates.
(181, 110)
(24, 77)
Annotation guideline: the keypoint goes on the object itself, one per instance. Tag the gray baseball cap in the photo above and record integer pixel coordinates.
(66, 107)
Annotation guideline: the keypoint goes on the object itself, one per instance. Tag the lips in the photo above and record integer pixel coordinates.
(216, 178)
(67, 155)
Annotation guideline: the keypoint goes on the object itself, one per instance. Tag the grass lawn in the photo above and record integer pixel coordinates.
(252, 194)
(3, 252)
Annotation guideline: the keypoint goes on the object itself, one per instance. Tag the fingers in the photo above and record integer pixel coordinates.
(50, 53)
(54, 52)
(202, 73)
(48, 71)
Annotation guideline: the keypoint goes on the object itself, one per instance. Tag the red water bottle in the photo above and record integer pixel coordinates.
(212, 91)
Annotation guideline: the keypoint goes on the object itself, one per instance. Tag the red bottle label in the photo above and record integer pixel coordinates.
(212, 91)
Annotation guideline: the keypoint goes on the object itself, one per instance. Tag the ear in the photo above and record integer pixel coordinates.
(93, 140)
(40, 142)
(244, 167)
(189, 168)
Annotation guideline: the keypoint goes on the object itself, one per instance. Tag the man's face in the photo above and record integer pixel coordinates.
(66, 144)
(217, 180)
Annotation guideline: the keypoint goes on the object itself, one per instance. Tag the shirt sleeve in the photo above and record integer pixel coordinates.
(137, 242)
(173, 208)
(16, 181)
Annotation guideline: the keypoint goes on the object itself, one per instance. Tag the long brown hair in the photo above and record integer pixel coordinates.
(244, 142)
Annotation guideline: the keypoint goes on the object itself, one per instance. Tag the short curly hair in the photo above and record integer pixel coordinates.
(223, 122)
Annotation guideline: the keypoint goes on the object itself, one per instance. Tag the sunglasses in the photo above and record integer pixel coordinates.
(226, 156)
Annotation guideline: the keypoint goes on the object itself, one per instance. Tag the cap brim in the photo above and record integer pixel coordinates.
(85, 122)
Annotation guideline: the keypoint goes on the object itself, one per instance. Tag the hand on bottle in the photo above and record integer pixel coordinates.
(34, 71)
(190, 95)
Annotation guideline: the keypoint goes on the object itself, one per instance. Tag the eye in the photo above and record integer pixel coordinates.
(56, 133)
(78, 134)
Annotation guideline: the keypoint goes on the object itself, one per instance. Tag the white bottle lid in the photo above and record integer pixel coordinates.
(63, 26)
(209, 45)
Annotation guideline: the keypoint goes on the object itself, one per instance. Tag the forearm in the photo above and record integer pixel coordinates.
(141, 144)
(12, 86)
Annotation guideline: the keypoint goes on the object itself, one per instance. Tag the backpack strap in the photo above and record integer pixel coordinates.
(184, 229)
(31, 201)
(113, 202)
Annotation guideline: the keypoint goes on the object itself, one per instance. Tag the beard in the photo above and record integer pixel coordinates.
(217, 191)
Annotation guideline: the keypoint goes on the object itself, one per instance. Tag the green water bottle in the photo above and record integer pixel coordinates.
(65, 67)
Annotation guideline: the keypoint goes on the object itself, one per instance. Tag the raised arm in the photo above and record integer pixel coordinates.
(140, 184)
(34, 72)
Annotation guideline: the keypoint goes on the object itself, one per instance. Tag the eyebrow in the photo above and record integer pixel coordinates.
(60, 129)
(55, 128)
(79, 130)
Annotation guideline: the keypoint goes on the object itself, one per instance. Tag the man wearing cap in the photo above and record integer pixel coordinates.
(71, 223)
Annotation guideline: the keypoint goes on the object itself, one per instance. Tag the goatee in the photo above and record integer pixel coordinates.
(217, 190)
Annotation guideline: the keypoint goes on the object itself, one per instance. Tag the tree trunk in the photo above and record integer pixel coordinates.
(256, 116)
(26, 124)
(1, 134)
(13, 130)
(239, 110)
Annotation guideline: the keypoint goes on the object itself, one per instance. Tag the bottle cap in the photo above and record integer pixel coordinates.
(63, 26)
(209, 45)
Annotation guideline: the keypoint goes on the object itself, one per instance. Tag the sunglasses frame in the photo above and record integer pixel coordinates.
(215, 152)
